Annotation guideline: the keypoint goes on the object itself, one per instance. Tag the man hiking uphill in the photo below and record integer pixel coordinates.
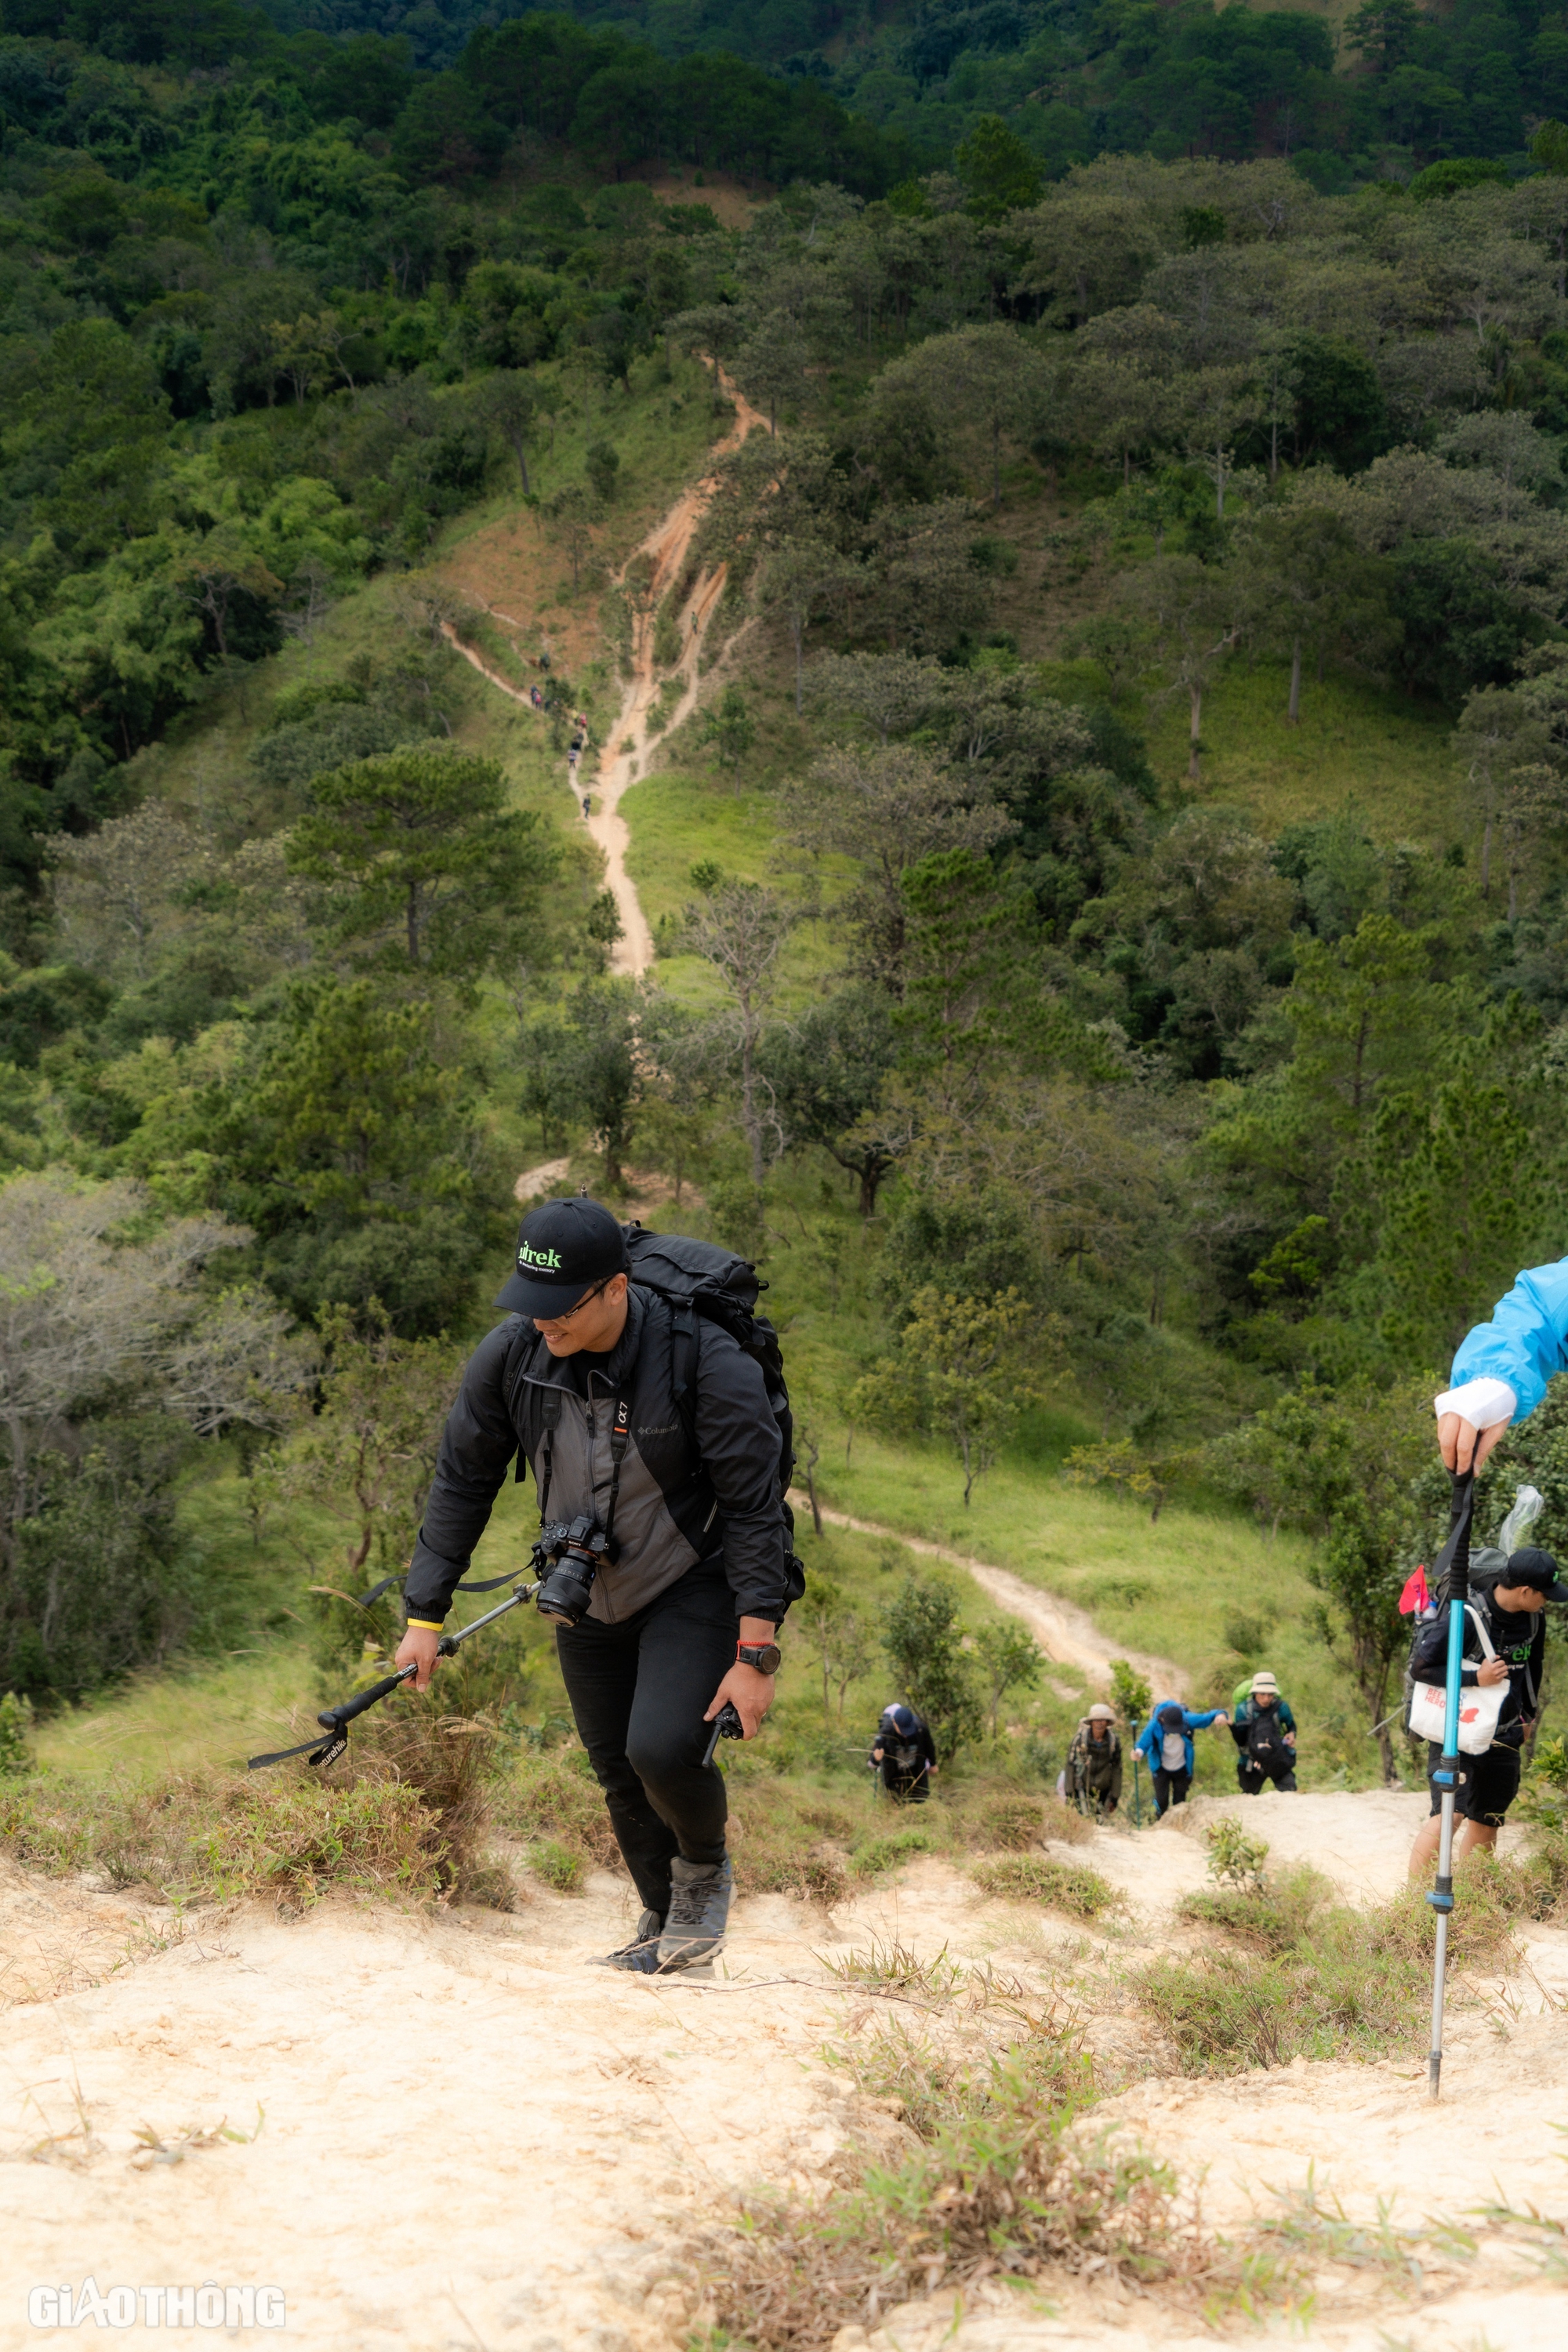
(1505, 1641)
(1165, 1743)
(1094, 1763)
(1264, 1731)
(668, 1486)
(904, 1753)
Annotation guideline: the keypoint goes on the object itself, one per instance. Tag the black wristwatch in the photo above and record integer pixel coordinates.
(764, 1655)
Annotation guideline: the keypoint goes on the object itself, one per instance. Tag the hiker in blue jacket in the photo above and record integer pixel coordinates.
(1502, 1367)
(1165, 1744)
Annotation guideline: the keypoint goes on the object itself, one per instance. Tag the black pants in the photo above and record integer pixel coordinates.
(1252, 1776)
(1487, 1783)
(639, 1692)
(1170, 1788)
(905, 1788)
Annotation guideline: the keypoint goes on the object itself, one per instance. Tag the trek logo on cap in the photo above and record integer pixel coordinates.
(527, 1258)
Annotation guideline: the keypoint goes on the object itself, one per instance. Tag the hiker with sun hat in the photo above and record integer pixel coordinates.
(1094, 1763)
(1264, 1731)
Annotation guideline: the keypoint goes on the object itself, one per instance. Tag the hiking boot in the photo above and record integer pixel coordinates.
(641, 1955)
(698, 1907)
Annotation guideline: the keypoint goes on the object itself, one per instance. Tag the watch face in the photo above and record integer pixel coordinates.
(764, 1656)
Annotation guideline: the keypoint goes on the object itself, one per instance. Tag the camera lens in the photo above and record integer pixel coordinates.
(567, 1590)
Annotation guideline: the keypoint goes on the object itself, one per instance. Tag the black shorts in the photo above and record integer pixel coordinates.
(1488, 1784)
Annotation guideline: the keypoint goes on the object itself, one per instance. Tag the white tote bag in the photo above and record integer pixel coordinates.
(1479, 1708)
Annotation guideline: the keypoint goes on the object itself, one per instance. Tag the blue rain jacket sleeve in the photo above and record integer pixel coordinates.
(1154, 1732)
(1526, 1340)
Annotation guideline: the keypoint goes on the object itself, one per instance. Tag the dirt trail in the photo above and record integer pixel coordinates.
(471, 2138)
(1067, 1635)
(626, 747)
(620, 761)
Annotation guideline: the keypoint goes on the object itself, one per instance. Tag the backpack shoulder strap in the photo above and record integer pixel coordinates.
(684, 1346)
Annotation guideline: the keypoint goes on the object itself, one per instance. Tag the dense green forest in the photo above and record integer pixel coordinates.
(1112, 882)
(1348, 93)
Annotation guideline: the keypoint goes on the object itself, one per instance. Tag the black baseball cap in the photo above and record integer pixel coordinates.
(563, 1248)
(1536, 1568)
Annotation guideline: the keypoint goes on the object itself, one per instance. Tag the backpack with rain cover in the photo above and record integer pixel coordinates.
(1266, 1744)
(697, 1278)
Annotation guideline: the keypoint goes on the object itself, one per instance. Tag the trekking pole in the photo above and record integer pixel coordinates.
(1453, 1564)
(1137, 1784)
(335, 1720)
(727, 1724)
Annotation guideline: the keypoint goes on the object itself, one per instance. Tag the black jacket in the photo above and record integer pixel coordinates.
(1521, 1640)
(676, 1503)
(910, 1753)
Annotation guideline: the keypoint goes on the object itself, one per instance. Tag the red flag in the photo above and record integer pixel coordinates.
(1415, 1595)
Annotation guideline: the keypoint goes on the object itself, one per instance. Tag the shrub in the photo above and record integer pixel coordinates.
(1002, 2187)
(295, 1839)
(1060, 1885)
(1271, 1919)
(16, 1734)
(1349, 1983)
(557, 1865)
(886, 1853)
(922, 1638)
(1236, 1858)
(1014, 1822)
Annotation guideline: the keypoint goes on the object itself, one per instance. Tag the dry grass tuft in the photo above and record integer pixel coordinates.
(1060, 1885)
(1000, 2192)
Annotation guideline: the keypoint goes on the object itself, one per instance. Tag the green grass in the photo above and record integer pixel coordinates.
(1067, 1886)
(206, 1715)
(1356, 741)
(677, 819)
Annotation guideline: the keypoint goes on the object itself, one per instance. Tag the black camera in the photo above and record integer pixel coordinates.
(566, 1558)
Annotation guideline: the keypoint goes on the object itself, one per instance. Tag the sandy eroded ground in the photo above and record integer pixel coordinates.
(469, 2138)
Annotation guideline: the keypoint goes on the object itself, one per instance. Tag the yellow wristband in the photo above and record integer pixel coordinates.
(426, 1624)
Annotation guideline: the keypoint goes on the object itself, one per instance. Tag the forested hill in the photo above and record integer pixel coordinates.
(1391, 85)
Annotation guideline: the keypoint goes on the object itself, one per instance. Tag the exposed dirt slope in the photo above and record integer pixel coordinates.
(626, 748)
(471, 2138)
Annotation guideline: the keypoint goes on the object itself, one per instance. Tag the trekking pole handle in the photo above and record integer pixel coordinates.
(334, 1719)
(727, 1724)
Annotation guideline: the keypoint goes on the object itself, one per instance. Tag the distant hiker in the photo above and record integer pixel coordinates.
(535, 696)
(1264, 1731)
(1165, 1743)
(1505, 1640)
(1094, 1763)
(904, 1752)
(587, 803)
(656, 1447)
(545, 661)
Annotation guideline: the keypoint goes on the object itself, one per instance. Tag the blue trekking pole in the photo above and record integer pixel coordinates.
(1454, 1567)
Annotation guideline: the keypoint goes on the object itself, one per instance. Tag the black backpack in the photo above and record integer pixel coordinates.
(1266, 1743)
(701, 1278)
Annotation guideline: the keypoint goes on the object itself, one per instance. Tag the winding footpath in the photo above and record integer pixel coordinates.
(621, 761)
(1067, 1635)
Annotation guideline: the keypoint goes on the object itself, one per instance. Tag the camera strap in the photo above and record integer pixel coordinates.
(549, 1414)
(620, 1438)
